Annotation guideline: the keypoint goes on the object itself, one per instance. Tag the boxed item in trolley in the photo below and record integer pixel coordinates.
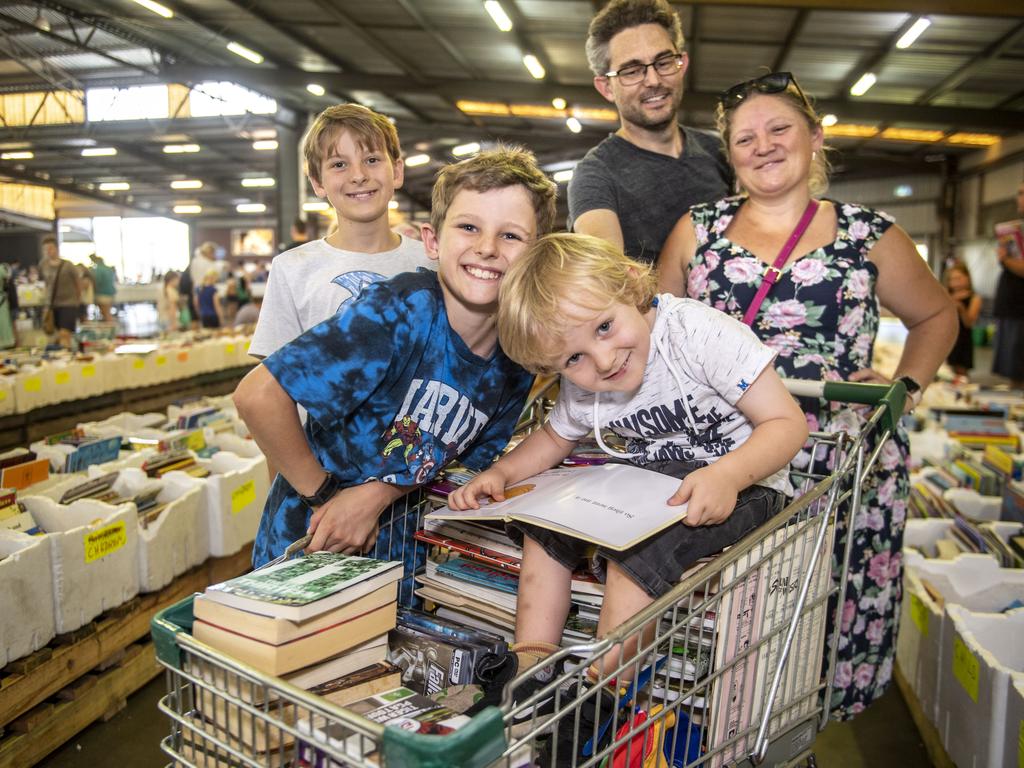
(26, 600)
(94, 556)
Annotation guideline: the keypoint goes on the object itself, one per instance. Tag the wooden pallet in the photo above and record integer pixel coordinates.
(99, 664)
(929, 733)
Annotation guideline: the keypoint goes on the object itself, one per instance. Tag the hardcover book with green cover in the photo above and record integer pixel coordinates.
(305, 587)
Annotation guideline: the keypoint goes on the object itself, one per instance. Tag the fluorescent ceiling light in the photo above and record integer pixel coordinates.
(559, 103)
(496, 12)
(316, 89)
(188, 209)
(187, 184)
(911, 35)
(563, 176)
(115, 186)
(863, 85)
(533, 66)
(98, 151)
(16, 156)
(393, 205)
(265, 144)
(177, 149)
(466, 149)
(317, 207)
(245, 53)
(573, 125)
(159, 10)
(250, 208)
(413, 160)
(263, 181)
(829, 120)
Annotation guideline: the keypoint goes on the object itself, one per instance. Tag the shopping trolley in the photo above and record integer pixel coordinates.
(725, 669)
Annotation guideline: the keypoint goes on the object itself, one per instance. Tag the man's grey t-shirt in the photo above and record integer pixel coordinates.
(650, 192)
(310, 283)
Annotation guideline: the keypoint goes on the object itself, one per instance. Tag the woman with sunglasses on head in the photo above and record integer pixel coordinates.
(807, 274)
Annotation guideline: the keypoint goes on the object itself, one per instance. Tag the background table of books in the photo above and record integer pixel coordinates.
(959, 660)
(100, 527)
(31, 380)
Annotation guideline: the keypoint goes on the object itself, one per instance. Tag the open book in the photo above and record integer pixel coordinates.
(611, 505)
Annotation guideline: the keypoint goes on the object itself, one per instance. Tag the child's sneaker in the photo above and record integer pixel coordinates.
(494, 671)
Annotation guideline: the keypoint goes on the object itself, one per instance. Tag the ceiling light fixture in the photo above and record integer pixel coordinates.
(115, 186)
(188, 209)
(497, 13)
(316, 89)
(829, 120)
(187, 184)
(261, 181)
(178, 149)
(466, 149)
(318, 207)
(414, 160)
(911, 35)
(863, 85)
(17, 156)
(264, 145)
(973, 139)
(246, 53)
(159, 10)
(251, 208)
(561, 177)
(533, 66)
(98, 151)
(559, 103)
(392, 205)
(573, 125)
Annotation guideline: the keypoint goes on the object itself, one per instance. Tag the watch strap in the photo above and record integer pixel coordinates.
(328, 488)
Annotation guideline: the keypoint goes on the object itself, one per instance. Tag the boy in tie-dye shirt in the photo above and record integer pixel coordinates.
(405, 379)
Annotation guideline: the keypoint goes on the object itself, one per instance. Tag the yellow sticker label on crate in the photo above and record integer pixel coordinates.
(3, 395)
(88, 371)
(105, 541)
(138, 364)
(246, 346)
(919, 614)
(33, 384)
(196, 441)
(966, 668)
(161, 360)
(1020, 745)
(243, 496)
(62, 377)
(229, 349)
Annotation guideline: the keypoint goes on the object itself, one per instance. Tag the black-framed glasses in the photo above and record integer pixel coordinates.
(773, 82)
(665, 65)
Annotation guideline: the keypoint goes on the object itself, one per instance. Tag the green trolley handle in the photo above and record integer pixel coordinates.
(893, 395)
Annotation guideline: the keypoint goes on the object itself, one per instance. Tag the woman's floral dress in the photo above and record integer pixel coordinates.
(821, 318)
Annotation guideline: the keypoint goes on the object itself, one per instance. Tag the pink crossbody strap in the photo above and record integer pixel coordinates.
(772, 273)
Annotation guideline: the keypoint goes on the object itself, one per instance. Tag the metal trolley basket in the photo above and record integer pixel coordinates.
(726, 668)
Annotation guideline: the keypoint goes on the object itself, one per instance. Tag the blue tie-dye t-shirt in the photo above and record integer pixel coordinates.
(393, 394)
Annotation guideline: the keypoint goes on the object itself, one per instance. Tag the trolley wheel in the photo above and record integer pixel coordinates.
(812, 761)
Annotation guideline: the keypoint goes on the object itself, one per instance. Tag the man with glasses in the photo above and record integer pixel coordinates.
(634, 186)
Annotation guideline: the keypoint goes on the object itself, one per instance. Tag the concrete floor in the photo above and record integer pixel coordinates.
(884, 735)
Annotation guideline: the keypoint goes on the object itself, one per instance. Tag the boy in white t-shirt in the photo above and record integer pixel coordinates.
(353, 159)
(691, 391)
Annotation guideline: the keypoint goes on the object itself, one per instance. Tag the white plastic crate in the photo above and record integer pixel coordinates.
(970, 580)
(26, 600)
(236, 492)
(982, 651)
(94, 554)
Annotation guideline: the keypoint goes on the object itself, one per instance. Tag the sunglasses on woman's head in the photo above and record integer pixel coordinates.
(773, 82)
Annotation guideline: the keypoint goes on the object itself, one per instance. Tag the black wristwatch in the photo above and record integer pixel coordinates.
(914, 391)
(330, 486)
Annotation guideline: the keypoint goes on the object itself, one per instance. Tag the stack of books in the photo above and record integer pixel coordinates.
(309, 620)
(102, 489)
(174, 461)
(978, 429)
